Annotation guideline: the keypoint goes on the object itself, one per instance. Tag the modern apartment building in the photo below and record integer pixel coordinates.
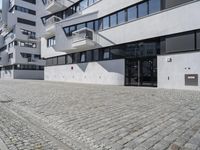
(121, 42)
(20, 55)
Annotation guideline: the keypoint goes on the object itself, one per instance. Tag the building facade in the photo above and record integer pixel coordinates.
(123, 42)
(20, 55)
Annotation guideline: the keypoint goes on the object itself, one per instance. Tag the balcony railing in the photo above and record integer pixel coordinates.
(83, 34)
(55, 5)
(31, 37)
(52, 20)
(50, 2)
(83, 39)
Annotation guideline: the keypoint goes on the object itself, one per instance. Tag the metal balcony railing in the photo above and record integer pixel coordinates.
(50, 2)
(83, 34)
(32, 37)
(52, 20)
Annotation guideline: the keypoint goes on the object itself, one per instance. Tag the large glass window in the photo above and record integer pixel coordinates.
(83, 57)
(66, 29)
(113, 20)
(90, 2)
(121, 16)
(180, 42)
(117, 52)
(61, 60)
(100, 24)
(106, 23)
(198, 40)
(72, 29)
(51, 41)
(90, 25)
(55, 61)
(83, 4)
(89, 56)
(154, 6)
(142, 9)
(96, 55)
(96, 25)
(69, 59)
(132, 13)
(105, 54)
(80, 26)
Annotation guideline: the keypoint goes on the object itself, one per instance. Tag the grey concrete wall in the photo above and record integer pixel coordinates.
(29, 74)
(22, 74)
(104, 72)
(172, 74)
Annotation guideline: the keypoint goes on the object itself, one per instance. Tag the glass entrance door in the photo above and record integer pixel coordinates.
(141, 72)
(132, 73)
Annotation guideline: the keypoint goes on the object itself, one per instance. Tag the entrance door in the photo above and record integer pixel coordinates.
(132, 72)
(141, 72)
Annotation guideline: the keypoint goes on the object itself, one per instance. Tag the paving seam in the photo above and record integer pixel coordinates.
(3, 145)
(39, 129)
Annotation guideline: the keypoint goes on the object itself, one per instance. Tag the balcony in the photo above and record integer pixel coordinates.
(32, 38)
(51, 25)
(55, 5)
(83, 39)
(11, 3)
(31, 60)
(5, 28)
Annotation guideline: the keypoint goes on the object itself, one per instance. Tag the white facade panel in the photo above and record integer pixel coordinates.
(104, 72)
(171, 74)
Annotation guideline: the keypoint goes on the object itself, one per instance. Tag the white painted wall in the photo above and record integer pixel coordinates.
(177, 69)
(104, 72)
(7, 74)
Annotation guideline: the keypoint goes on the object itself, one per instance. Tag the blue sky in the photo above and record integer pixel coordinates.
(0, 4)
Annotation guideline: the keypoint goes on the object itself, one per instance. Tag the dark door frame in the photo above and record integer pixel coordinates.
(140, 76)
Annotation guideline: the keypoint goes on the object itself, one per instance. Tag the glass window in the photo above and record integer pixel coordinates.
(105, 22)
(90, 2)
(66, 29)
(22, 44)
(80, 26)
(50, 42)
(61, 60)
(198, 40)
(154, 6)
(113, 20)
(100, 24)
(55, 61)
(132, 13)
(96, 55)
(83, 4)
(106, 54)
(121, 17)
(118, 51)
(69, 59)
(90, 25)
(72, 29)
(83, 57)
(96, 25)
(89, 55)
(142, 9)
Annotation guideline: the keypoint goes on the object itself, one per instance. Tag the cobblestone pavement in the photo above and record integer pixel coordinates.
(40, 115)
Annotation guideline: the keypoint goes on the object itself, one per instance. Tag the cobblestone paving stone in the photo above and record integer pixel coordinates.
(52, 115)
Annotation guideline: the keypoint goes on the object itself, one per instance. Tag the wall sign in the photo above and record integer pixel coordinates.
(191, 79)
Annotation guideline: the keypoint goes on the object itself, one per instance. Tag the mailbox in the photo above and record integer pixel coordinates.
(191, 79)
